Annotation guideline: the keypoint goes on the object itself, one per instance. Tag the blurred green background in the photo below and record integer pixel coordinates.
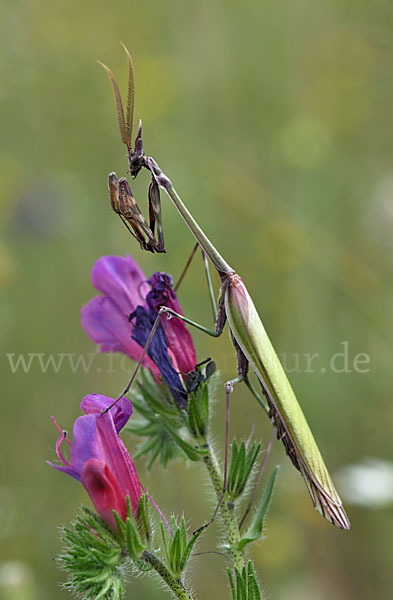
(274, 121)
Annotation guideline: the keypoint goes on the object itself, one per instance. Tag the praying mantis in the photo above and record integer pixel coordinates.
(235, 306)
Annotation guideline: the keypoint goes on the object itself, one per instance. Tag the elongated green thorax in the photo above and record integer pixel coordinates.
(292, 427)
(215, 257)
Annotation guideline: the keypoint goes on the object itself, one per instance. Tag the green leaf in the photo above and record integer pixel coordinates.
(134, 547)
(198, 412)
(156, 396)
(189, 548)
(159, 442)
(231, 583)
(255, 530)
(157, 402)
(163, 535)
(244, 586)
(162, 423)
(253, 591)
(183, 535)
(173, 549)
(191, 452)
(176, 548)
(241, 584)
(242, 462)
(142, 518)
(93, 558)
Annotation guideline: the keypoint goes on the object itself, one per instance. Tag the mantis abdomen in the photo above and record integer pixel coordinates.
(292, 427)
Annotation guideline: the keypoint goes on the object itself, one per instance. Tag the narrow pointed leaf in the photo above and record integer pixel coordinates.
(241, 584)
(190, 452)
(163, 535)
(134, 547)
(255, 530)
(253, 591)
(183, 535)
(155, 401)
(232, 584)
(191, 543)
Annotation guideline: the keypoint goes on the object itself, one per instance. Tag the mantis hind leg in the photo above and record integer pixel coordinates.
(243, 366)
(207, 274)
(259, 477)
(173, 314)
(186, 267)
(220, 314)
(228, 390)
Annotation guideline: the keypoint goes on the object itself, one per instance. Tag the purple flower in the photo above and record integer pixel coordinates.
(100, 460)
(178, 337)
(105, 318)
(158, 352)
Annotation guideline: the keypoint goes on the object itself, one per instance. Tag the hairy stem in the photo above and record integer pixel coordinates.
(174, 584)
(227, 510)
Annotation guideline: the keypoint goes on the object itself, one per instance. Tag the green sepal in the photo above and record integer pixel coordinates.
(135, 533)
(244, 586)
(157, 397)
(190, 545)
(121, 526)
(242, 462)
(175, 553)
(253, 590)
(93, 559)
(143, 518)
(134, 546)
(154, 404)
(164, 423)
(198, 412)
(255, 530)
(231, 583)
(191, 452)
(158, 443)
(165, 544)
(177, 549)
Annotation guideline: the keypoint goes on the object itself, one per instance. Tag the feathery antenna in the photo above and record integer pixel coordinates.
(119, 106)
(130, 94)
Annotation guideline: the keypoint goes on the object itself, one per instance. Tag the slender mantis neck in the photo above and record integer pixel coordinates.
(211, 252)
(204, 242)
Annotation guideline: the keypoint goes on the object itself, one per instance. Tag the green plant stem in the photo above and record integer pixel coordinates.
(174, 584)
(227, 510)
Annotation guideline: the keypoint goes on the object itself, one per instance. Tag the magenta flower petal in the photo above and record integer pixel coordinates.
(119, 462)
(85, 445)
(178, 337)
(121, 279)
(104, 491)
(120, 412)
(106, 318)
(109, 328)
(95, 437)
